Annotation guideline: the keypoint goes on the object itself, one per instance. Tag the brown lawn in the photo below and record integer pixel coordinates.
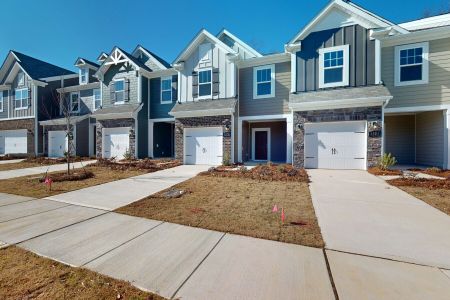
(237, 205)
(31, 186)
(24, 275)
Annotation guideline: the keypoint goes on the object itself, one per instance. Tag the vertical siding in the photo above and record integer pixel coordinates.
(143, 121)
(265, 106)
(430, 138)
(400, 138)
(362, 56)
(118, 72)
(6, 95)
(20, 113)
(436, 92)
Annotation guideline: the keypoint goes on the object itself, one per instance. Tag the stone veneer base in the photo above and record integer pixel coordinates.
(113, 123)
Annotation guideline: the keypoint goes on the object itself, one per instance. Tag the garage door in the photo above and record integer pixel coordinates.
(336, 145)
(57, 143)
(203, 146)
(116, 142)
(13, 141)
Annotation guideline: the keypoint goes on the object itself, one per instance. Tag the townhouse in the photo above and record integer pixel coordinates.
(349, 87)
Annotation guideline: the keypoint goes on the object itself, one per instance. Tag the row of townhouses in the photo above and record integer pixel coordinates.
(349, 86)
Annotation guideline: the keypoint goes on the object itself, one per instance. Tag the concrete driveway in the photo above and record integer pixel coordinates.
(360, 213)
(112, 195)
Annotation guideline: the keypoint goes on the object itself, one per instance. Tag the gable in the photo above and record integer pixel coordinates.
(244, 50)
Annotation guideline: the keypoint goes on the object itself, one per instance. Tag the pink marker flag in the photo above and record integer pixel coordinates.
(283, 217)
(275, 208)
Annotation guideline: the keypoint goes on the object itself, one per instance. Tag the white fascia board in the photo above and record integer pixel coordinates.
(239, 41)
(162, 120)
(415, 37)
(264, 117)
(335, 104)
(75, 119)
(162, 73)
(124, 115)
(202, 113)
(412, 109)
(57, 78)
(264, 60)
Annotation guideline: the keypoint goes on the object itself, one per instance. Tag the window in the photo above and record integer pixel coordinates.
(97, 99)
(84, 75)
(264, 82)
(204, 52)
(166, 89)
(1, 100)
(204, 84)
(333, 66)
(21, 99)
(411, 64)
(74, 102)
(21, 79)
(120, 91)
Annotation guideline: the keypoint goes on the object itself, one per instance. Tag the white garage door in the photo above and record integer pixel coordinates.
(13, 141)
(116, 142)
(203, 146)
(336, 145)
(57, 143)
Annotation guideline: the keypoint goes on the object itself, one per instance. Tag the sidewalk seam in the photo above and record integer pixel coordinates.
(330, 275)
(38, 213)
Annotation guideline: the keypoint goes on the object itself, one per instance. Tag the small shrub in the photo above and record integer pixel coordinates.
(433, 170)
(128, 155)
(386, 161)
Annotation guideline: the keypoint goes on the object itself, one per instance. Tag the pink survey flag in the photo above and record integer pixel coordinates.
(283, 217)
(275, 208)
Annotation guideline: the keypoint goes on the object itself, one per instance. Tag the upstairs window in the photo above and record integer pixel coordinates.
(21, 99)
(74, 102)
(166, 90)
(120, 90)
(333, 66)
(204, 83)
(21, 79)
(97, 99)
(1, 100)
(84, 75)
(264, 82)
(411, 64)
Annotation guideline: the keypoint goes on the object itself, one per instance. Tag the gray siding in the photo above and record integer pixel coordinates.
(362, 56)
(436, 92)
(400, 138)
(86, 101)
(158, 110)
(430, 138)
(6, 97)
(118, 72)
(13, 113)
(265, 106)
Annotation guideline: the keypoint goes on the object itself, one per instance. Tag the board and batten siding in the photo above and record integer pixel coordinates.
(21, 113)
(436, 92)
(219, 60)
(361, 52)
(430, 138)
(121, 71)
(157, 109)
(265, 106)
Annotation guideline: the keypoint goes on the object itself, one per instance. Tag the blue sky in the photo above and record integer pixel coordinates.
(59, 31)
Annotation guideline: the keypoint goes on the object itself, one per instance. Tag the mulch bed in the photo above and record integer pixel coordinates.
(267, 172)
(54, 161)
(379, 172)
(13, 156)
(434, 172)
(74, 176)
(422, 182)
(148, 165)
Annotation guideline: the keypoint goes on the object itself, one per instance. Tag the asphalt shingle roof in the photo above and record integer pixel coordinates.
(38, 69)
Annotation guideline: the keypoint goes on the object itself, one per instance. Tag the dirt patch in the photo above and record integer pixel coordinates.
(237, 205)
(421, 182)
(24, 275)
(379, 172)
(262, 172)
(434, 172)
(146, 165)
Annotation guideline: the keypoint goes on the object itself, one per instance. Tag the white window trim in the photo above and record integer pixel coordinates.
(272, 82)
(79, 102)
(87, 75)
(93, 99)
(21, 99)
(115, 91)
(20, 75)
(211, 83)
(425, 50)
(268, 143)
(345, 67)
(161, 88)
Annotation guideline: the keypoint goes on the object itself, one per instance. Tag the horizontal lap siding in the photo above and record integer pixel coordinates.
(400, 138)
(158, 110)
(119, 72)
(266, 106)
(430, 138)
(436, 92)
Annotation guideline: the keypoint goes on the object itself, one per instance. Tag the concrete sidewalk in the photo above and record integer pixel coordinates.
(40, 170)
(360, 213)
(10, 161)
(112, 195)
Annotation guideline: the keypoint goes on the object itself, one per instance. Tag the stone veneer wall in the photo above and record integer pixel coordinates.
(129, 122)
(22, 124)
(371, 114)
(212, 121)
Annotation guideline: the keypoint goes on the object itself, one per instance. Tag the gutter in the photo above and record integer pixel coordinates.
(202, 113)
(335, 104)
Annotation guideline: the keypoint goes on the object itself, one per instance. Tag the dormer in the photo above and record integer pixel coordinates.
(101, 58)
(86, 71)
(150, 59)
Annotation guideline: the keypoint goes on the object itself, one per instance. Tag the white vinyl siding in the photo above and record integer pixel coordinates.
(334, 66)
(204, 52)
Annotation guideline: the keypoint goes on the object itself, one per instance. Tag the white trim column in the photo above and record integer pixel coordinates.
(446, 138)
(150, 138)
(289, 137)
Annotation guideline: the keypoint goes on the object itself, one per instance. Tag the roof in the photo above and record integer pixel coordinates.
(135, 60)
(79, 87)
(89, 62)
(239, 41)
(159, 59)
(117, 111)
(427, 23)
(204, 108)
(370, 91)
(38, 69)
(63, 121)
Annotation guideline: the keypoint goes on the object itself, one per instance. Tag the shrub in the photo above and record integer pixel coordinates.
(128, 155)
(386, 161)
(433, 170)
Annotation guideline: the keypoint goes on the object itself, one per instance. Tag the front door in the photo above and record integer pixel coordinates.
(261, 144)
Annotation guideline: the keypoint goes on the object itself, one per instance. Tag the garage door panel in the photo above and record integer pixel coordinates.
(13, 141)
(116, 142)
(57, 144)
(203, 145)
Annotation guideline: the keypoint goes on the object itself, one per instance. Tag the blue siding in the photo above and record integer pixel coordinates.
(158, 110)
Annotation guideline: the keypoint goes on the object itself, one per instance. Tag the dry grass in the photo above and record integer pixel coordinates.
(24, 275)
(237, 205)
(18, 165)
(31, 187)
(31, 162)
